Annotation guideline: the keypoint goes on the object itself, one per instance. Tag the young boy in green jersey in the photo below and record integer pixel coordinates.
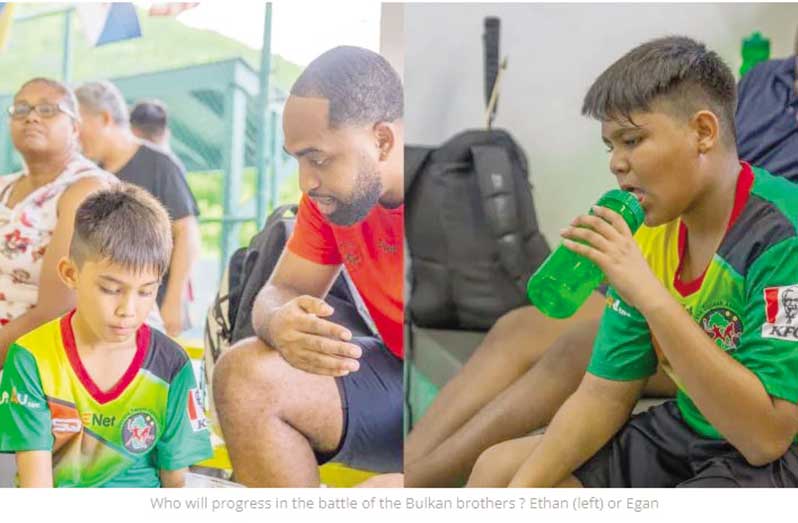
(97, 398)
(711, 293)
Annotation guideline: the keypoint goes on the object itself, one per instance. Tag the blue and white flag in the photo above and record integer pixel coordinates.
(108, 22)
(6, 16)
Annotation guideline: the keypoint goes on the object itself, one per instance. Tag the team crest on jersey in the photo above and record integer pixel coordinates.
(723, 326)
(139, 431)
(781, 313)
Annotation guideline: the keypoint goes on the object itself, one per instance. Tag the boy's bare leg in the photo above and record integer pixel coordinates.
(497, 465)
(526, 404)
(515, 343)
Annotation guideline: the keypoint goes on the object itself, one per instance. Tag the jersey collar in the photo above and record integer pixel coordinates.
(100, 396)
(745, 180)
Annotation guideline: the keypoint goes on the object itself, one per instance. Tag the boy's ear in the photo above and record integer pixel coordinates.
(68, 272)
(707, 128)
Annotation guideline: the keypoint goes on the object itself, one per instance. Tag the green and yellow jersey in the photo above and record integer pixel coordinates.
(151, 419)
(746, 301)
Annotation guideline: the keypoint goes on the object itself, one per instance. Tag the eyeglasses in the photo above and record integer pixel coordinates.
(45, 110)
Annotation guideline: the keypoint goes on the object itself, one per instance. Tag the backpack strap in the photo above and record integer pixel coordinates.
(494, 169)
(360, 305)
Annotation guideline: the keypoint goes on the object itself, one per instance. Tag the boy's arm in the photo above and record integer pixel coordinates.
(730, 396)
(186, 439)
(736, 400)
(585, 422)
(35, 468)
(173, 478)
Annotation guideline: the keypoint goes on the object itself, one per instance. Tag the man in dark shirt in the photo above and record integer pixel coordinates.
(767, 117)
(107, 139)
(149, 121)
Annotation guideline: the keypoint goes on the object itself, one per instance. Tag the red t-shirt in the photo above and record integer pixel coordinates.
(372, 251)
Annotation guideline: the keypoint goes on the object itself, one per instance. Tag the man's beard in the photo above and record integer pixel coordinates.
(366, 194)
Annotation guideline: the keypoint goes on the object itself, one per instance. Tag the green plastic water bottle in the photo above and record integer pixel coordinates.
(756, 49)
(565, 279)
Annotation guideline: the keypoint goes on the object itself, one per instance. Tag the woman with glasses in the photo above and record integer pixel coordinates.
(37, 207)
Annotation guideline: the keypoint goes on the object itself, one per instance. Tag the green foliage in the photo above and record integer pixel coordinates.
(208, 189)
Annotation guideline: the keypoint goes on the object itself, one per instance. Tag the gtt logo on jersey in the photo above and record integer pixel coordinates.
(781, 313)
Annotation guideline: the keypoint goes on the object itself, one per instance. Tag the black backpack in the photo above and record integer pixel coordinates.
(229, 318)
(471, 229)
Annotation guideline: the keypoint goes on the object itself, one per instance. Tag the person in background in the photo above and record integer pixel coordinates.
(107, 138)
(37, 207)
(149, 121)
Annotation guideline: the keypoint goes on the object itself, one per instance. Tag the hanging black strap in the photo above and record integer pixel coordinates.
(493, 166)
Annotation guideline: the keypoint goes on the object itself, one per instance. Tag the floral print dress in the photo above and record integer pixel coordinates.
(25, 232)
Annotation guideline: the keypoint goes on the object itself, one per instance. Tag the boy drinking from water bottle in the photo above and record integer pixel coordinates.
(97, 398)
(711, 293)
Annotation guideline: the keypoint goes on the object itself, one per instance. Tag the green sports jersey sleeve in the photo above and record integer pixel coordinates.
(622, 350)
(24, 414)
(186, 439)
(769, 344)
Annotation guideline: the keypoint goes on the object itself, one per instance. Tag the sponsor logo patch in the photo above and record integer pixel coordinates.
(97, 419)
(139, 431)
(195, 411)
(781, 313)
(18, 398)
(723, 326)
(69, 425)
(615, 305)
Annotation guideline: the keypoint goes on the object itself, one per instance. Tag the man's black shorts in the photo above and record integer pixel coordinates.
(658, 449)
(372, 403)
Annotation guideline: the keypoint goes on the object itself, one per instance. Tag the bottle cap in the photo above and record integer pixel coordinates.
(626, 204)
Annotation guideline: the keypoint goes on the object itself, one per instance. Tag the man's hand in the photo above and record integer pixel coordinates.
(310, 343)
(608, 243)
(172, 315)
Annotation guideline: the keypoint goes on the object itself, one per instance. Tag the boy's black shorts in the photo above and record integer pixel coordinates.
(372, 401)
(658, 449)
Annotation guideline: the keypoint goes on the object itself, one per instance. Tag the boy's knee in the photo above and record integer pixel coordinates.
(485, 465)
(522, 318)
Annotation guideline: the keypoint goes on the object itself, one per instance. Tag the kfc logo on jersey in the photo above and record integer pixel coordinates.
(195, 412)
(781, 313)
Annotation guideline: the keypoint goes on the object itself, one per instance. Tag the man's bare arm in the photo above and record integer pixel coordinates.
(288, 315)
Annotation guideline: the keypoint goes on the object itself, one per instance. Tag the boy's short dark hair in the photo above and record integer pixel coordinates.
(676, 70)
(150, 118)
(123, 224)
(361, 86)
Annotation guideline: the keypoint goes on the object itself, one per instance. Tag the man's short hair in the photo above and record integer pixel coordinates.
(360, 85)
(125, 225)
(676, 70)
(104, 96)
(69, 100)
(150, 118)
